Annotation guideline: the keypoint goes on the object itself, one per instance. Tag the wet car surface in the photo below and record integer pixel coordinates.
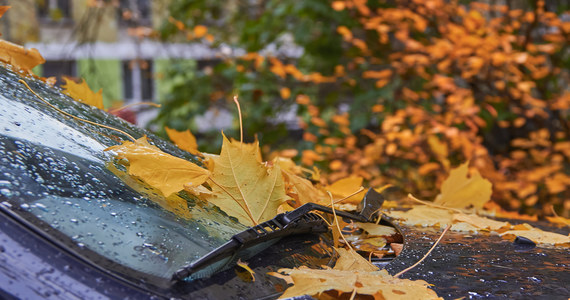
(70, 228)
(485, 265)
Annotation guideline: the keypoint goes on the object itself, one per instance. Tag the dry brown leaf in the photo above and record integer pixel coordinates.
(461, 191)
(302, 189)
(244, 187)
(185, 140)
(397, 247)
(313, 282)
(20, 57)
(82, 93)
(349, 260)
(167, 173)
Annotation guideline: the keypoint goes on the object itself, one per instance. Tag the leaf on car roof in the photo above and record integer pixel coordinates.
(185, 140)
(20, 57)
(243, 186)
(461, 191)
(167, 173)
(82, 93)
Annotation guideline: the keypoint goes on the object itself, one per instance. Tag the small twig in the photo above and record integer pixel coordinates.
(74, 117)
(240, 119)
(430, 250)
(336, 222)
(353, 294)
(411, 197)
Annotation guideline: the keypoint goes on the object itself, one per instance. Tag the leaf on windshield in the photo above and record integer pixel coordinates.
(167, 173)
(461, 191)
(243, 186)
(82, 93)
(20, 57)
(185, 140)
(172, 203)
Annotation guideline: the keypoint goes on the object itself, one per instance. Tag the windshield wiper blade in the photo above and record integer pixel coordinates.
(298, 221)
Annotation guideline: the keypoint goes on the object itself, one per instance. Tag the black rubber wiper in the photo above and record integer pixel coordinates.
(298, 221)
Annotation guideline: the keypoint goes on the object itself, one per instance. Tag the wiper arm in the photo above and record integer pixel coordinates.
(298, 221)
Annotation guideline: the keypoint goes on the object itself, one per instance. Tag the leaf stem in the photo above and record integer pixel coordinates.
(336, 222)
(430, 250)
(74, 117)
(240, 119)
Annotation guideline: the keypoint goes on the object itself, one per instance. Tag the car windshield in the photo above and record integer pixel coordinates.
(55, 174)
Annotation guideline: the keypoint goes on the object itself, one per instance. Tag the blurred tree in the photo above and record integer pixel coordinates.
(394, 91)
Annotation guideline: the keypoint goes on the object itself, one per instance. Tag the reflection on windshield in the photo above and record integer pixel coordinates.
(54, 169)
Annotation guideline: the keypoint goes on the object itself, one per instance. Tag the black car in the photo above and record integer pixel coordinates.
(73, 227)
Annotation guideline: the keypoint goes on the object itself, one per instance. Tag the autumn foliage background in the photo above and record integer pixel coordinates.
(393, 91)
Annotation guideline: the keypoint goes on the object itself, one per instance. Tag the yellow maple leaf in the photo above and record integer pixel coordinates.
(185, 140)
(243, 186)
(314, 282)
(345, 187)
(165, 172)
(82, 93)
(460, 191)
(20, 57)
(376, 229)
(172, 203)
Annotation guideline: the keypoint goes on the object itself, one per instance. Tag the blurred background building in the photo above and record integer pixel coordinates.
(106, 42)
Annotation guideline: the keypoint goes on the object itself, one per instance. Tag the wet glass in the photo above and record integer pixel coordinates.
(55, 173)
